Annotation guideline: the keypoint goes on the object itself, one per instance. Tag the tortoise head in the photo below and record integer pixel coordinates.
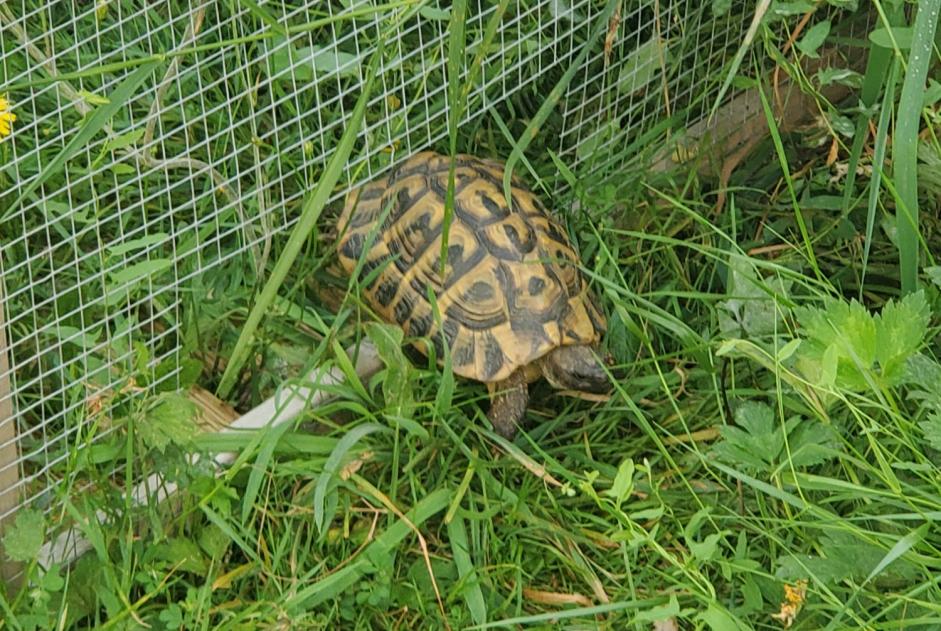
(576, 368)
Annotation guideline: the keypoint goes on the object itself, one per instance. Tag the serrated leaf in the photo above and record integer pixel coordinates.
(841, 344)
(170, 419)
(931, 428)
(756, 442)
(805, 566)
(900, 331)
(24, 538)
(925, 372)
(811, 443)
(849, 556)
(751, 309)
(183, 554)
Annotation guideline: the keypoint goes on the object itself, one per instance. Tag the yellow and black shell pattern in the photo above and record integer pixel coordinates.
(511, 290)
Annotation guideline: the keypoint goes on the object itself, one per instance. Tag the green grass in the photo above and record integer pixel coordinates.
(765, 433)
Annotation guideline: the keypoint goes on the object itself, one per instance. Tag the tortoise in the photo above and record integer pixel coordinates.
(513, 303)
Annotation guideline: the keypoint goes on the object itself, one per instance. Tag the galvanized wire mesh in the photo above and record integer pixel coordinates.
(207, 159)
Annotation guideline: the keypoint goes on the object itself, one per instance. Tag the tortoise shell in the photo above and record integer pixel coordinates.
(512, 290)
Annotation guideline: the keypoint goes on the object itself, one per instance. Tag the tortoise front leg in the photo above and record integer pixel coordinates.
(508, 401)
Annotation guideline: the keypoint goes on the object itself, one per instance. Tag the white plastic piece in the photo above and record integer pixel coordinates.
(283, 407)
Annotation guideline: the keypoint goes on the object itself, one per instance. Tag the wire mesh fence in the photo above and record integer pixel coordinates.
(155, 141)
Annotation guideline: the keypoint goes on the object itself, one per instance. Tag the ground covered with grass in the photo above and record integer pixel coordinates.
(771, 458)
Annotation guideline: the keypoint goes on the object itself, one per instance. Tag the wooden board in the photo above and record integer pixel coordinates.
(10, 492)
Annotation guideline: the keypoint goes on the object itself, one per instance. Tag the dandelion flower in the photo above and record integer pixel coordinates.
(6, 118)
(794, 597)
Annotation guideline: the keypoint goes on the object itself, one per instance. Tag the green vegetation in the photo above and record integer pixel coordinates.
(772, 458)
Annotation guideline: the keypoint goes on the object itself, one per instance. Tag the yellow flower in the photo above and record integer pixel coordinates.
(6, 118)
(794, 597)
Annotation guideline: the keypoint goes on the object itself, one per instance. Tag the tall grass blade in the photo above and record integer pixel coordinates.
(94, 124)
(532, 129)
(786, 172)
(905, 140)
(269, 441)
(302, 230)
(877, 67)
(901, 546)
(456, 103)
(878, 160)
(264, 15)
(760, 9)
(332, 465)
(457, 534)
(372, 556)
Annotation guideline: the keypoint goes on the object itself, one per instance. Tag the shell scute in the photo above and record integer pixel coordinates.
(511, 290)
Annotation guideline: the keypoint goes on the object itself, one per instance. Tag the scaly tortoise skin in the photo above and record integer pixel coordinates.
(514, 306)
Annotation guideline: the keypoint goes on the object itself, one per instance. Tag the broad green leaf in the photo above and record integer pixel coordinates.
(719, 619)
(312, 62)
(900, 331)
(788, 8)
(706, 549)
(181, 554)
(138, 271)
(898, 550)
(931, 428)
(137, 244)
(805, 566)
(884, 37)
(841, 76)
(813, 39)
(643, 65)
(751, 309)
(663, 612)
(830, 366)
(83, 339)
(811, 443)
(24, 537)
(756, 442)
(623, 482)
(396, 384)
(170, 419)
(434, 13)
(840, 344)
(124, 140)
